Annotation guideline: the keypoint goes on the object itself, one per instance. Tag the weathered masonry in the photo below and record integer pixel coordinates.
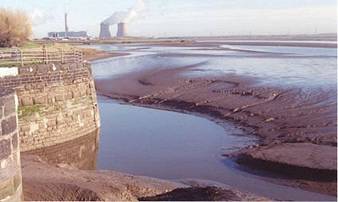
(56, 105)
(10, 171)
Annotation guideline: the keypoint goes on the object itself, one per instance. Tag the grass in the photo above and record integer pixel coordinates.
(30, 44)
(26, 111)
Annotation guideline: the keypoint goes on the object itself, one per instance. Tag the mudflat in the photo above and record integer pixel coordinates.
(65, 183)
(297, 128)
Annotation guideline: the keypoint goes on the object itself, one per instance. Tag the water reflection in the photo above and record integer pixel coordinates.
(79, 153)
(163, 144)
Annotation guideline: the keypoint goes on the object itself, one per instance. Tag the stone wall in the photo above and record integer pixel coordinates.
(78, 153)
(10, 171)
(57, 103)
(49, 110)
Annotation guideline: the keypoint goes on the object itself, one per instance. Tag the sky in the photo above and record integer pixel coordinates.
(163, 18)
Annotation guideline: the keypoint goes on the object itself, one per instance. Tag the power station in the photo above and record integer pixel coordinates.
(121, 29)
(105, 30)
(68, 34)
(121, 19)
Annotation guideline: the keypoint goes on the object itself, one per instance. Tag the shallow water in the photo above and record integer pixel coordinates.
(163, 144)
(172, 145)
(301, 67)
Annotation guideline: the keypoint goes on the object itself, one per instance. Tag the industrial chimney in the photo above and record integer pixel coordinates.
(104, 31)
(66, 25)
(121, 30)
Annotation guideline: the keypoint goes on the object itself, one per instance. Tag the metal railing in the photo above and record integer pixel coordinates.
(22, 57)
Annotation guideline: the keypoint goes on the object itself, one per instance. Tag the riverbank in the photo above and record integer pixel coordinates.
(65, 183)
(93, 54)
(294, 126)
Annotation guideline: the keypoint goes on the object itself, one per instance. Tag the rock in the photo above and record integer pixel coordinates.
(269, 119)
(236, 110)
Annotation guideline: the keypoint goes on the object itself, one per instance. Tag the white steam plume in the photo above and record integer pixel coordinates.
(125, 16)
(39, 17)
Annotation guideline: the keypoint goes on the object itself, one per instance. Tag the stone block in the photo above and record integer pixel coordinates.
(59, 98)
(8, 125)
(24, 128)
(28, 87)
(59, 119)
(6, 188)
(51, 123)
(76, 94)
(69, 95)
(15, 141)
(26, 101)
(40, 100)
(82, 92)
(50, 99)
(9, 107)
(5, 148)
(1, 111)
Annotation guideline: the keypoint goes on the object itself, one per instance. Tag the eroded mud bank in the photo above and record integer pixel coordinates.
(282, 118)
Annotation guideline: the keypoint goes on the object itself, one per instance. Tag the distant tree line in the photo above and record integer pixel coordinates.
(15, 27)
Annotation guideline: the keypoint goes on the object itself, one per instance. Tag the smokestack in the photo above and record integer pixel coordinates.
(121, 29)
(66, 25)
(104, 31)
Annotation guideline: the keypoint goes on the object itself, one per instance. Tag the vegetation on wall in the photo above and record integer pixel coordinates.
(26, 111)
(15, 27)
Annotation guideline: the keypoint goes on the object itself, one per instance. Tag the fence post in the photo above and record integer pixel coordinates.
(62, 59)
(44, 54)
(21, 57)
(81, 56)
(78, 56)
(74, 55)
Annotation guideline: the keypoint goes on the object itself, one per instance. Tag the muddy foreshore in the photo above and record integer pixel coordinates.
(297, 129)
(92, 54)
(45, 182)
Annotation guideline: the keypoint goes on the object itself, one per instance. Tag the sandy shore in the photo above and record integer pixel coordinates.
(297, 129)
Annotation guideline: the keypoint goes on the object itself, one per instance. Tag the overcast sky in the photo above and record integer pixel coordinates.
(186, 17)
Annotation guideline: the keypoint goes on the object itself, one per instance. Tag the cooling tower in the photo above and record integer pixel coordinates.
(121, 30)
(104, 31)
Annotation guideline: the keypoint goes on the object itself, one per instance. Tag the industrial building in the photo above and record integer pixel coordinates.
(68, 34)
(79, 34)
